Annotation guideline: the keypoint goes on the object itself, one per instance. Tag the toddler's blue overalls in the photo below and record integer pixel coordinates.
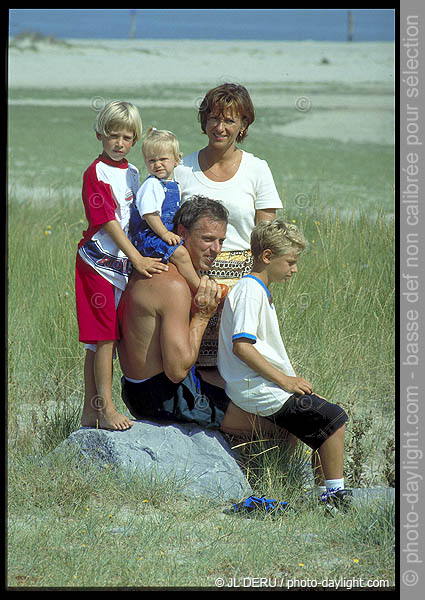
(143, 238)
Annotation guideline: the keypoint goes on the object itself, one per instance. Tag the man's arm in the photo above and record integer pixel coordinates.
(246, 352)
(181, 336)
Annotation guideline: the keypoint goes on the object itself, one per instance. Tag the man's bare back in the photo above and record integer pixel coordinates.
(140, 312)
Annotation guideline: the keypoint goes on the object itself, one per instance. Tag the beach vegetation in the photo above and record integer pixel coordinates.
(68, 527)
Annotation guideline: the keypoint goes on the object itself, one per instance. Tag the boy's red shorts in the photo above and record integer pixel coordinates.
(95, 298)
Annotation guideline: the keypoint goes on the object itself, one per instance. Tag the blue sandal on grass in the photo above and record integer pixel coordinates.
(259, 504)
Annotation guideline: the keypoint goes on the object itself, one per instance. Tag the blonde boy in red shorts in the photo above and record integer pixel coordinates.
(102, 266)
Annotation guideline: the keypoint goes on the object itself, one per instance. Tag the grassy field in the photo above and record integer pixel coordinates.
(337, 318)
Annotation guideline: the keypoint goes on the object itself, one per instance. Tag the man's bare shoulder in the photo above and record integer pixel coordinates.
(171, 282)
(165, 287)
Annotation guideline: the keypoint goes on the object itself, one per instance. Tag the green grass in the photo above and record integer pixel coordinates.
(70, 527)
(66, 528)
(337, 318)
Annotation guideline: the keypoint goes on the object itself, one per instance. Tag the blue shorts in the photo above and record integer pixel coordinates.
(151, 245)
(189, 401)
(310, 418)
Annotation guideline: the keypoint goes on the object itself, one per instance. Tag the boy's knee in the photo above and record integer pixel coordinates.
(340, 431)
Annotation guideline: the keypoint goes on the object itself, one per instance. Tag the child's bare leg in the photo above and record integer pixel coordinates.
(109, 417)
(181, 259)
(316, 466)
(240, 422)
(88, 417)
(331, 454)
(99, 410)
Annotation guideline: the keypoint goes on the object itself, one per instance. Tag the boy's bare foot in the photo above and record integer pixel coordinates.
(105, 419)
(112, 419)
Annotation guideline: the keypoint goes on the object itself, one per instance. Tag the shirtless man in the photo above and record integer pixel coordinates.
(161, 331)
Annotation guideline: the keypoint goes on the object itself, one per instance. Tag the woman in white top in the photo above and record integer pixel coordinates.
(241, 181)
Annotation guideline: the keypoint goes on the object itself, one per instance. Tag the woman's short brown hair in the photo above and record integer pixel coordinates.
(224, 97)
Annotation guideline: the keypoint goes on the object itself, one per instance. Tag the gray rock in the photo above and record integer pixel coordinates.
(201, 459)
(360, 495)
(368, 495)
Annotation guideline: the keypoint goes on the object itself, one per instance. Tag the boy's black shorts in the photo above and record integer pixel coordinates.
(310, 418)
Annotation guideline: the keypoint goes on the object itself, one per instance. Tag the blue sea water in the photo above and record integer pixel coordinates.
(214, 24)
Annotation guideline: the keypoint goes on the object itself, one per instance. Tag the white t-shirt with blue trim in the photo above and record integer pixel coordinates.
(249, 312)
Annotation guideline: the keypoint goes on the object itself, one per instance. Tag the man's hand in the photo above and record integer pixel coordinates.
(207, 298)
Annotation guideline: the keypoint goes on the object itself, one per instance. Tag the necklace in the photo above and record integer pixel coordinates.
(227, 171)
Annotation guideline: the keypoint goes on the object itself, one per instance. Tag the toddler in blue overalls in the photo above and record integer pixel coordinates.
(156, 203)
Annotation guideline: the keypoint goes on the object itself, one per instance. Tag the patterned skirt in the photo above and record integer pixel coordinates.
(228, 268)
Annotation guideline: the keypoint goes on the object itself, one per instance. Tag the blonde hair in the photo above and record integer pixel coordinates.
(279, 236)
(155, 140)
(119, 115)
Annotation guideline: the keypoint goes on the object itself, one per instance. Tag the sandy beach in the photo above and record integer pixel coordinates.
(96, 63)
(350, 85)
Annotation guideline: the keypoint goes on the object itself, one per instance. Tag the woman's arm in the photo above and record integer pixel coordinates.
(265, 214)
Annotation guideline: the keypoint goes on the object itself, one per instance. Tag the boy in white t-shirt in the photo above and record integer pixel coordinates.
(109, 185)
(255, 366)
